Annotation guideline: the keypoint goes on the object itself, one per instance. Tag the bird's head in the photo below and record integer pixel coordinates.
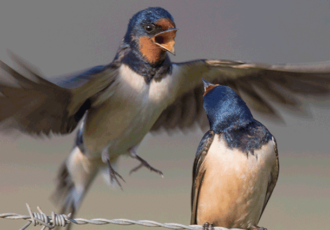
(151, 32)
(224, 108)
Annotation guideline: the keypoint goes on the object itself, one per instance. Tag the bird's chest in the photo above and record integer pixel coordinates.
(234, 185)
(128, 114)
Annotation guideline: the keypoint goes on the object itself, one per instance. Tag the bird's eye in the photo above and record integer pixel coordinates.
(149, 27)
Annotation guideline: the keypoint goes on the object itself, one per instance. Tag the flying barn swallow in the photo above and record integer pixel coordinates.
(236, 165)
(140, 91)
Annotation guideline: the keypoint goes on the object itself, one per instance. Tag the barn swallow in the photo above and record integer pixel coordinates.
(236, 165)
(140, 91)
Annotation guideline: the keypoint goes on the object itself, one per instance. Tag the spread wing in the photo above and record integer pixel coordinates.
(198, 172)
(273, 178)
(277, 82)
(36, 106)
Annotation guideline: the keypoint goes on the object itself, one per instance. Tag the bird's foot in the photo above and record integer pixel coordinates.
(143, 164)
(254, 227)
(112, 172)
(207, 226)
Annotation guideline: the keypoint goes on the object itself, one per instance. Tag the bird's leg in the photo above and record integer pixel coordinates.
(112, 172)
(255, 227)
(207, 226)
(143, 163)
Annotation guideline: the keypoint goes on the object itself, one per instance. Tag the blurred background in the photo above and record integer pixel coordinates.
(63, 37)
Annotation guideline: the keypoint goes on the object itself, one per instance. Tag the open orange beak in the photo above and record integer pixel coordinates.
(165, 40)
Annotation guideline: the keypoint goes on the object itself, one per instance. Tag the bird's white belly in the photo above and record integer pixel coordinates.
(127, 115)
(235, 185)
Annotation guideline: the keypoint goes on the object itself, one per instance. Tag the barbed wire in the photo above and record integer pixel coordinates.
(62, 220)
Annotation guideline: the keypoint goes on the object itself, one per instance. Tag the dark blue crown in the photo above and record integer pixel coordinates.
(149, 15)
(226, 110)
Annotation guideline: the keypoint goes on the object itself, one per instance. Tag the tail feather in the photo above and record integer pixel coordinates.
(63, 192)
(64, 188)
(73, 181)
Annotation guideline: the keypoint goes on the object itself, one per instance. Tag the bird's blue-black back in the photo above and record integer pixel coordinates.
(247, 139)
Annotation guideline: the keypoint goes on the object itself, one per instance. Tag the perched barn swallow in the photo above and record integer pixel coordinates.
(140, 91)
(236, 166)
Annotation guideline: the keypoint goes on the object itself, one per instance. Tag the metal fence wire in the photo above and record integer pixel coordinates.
(62, 220)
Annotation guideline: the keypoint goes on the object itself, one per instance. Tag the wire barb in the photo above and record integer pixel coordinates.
(62, 220)
(45, 221)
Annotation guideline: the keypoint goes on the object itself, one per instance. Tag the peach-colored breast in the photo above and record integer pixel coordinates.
(234, 186)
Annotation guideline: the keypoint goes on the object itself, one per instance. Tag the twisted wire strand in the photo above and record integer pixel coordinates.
(62, 220)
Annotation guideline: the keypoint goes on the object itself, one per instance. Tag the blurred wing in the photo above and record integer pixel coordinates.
(36, 106)
(273, 178)
(274, 81)
(198, 172)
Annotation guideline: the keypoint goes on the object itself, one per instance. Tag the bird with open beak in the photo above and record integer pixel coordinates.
(140, 91)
